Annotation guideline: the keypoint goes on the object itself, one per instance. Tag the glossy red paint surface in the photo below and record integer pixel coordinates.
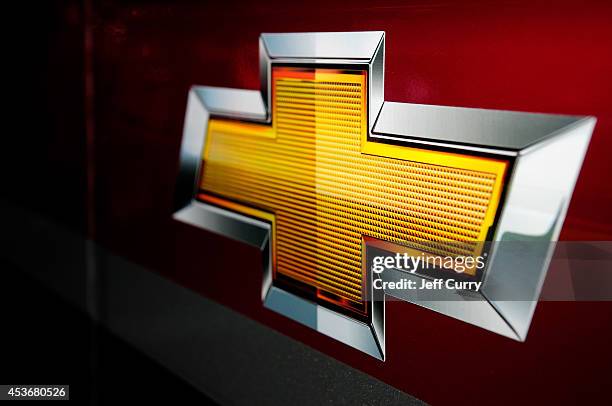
(547, 57)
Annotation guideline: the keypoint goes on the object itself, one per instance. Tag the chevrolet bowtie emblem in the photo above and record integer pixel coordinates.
(315, 169)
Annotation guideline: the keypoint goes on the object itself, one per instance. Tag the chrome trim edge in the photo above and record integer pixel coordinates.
(532, 215)
(457, 127)
(354, 333)
(322, 45)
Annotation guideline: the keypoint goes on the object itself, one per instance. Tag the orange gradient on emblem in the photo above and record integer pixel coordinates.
(324, 186)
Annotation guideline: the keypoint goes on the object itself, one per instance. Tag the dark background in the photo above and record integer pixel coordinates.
(108, 80)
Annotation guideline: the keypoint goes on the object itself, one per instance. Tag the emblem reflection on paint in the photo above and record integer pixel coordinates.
(315, 170)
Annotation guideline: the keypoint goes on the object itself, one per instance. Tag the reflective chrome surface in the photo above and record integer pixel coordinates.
(537, 199)
(493, 129)
(235, 103)
(342, 328)
(333, 45)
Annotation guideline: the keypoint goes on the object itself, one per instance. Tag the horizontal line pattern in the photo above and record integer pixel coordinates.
(326, 194)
